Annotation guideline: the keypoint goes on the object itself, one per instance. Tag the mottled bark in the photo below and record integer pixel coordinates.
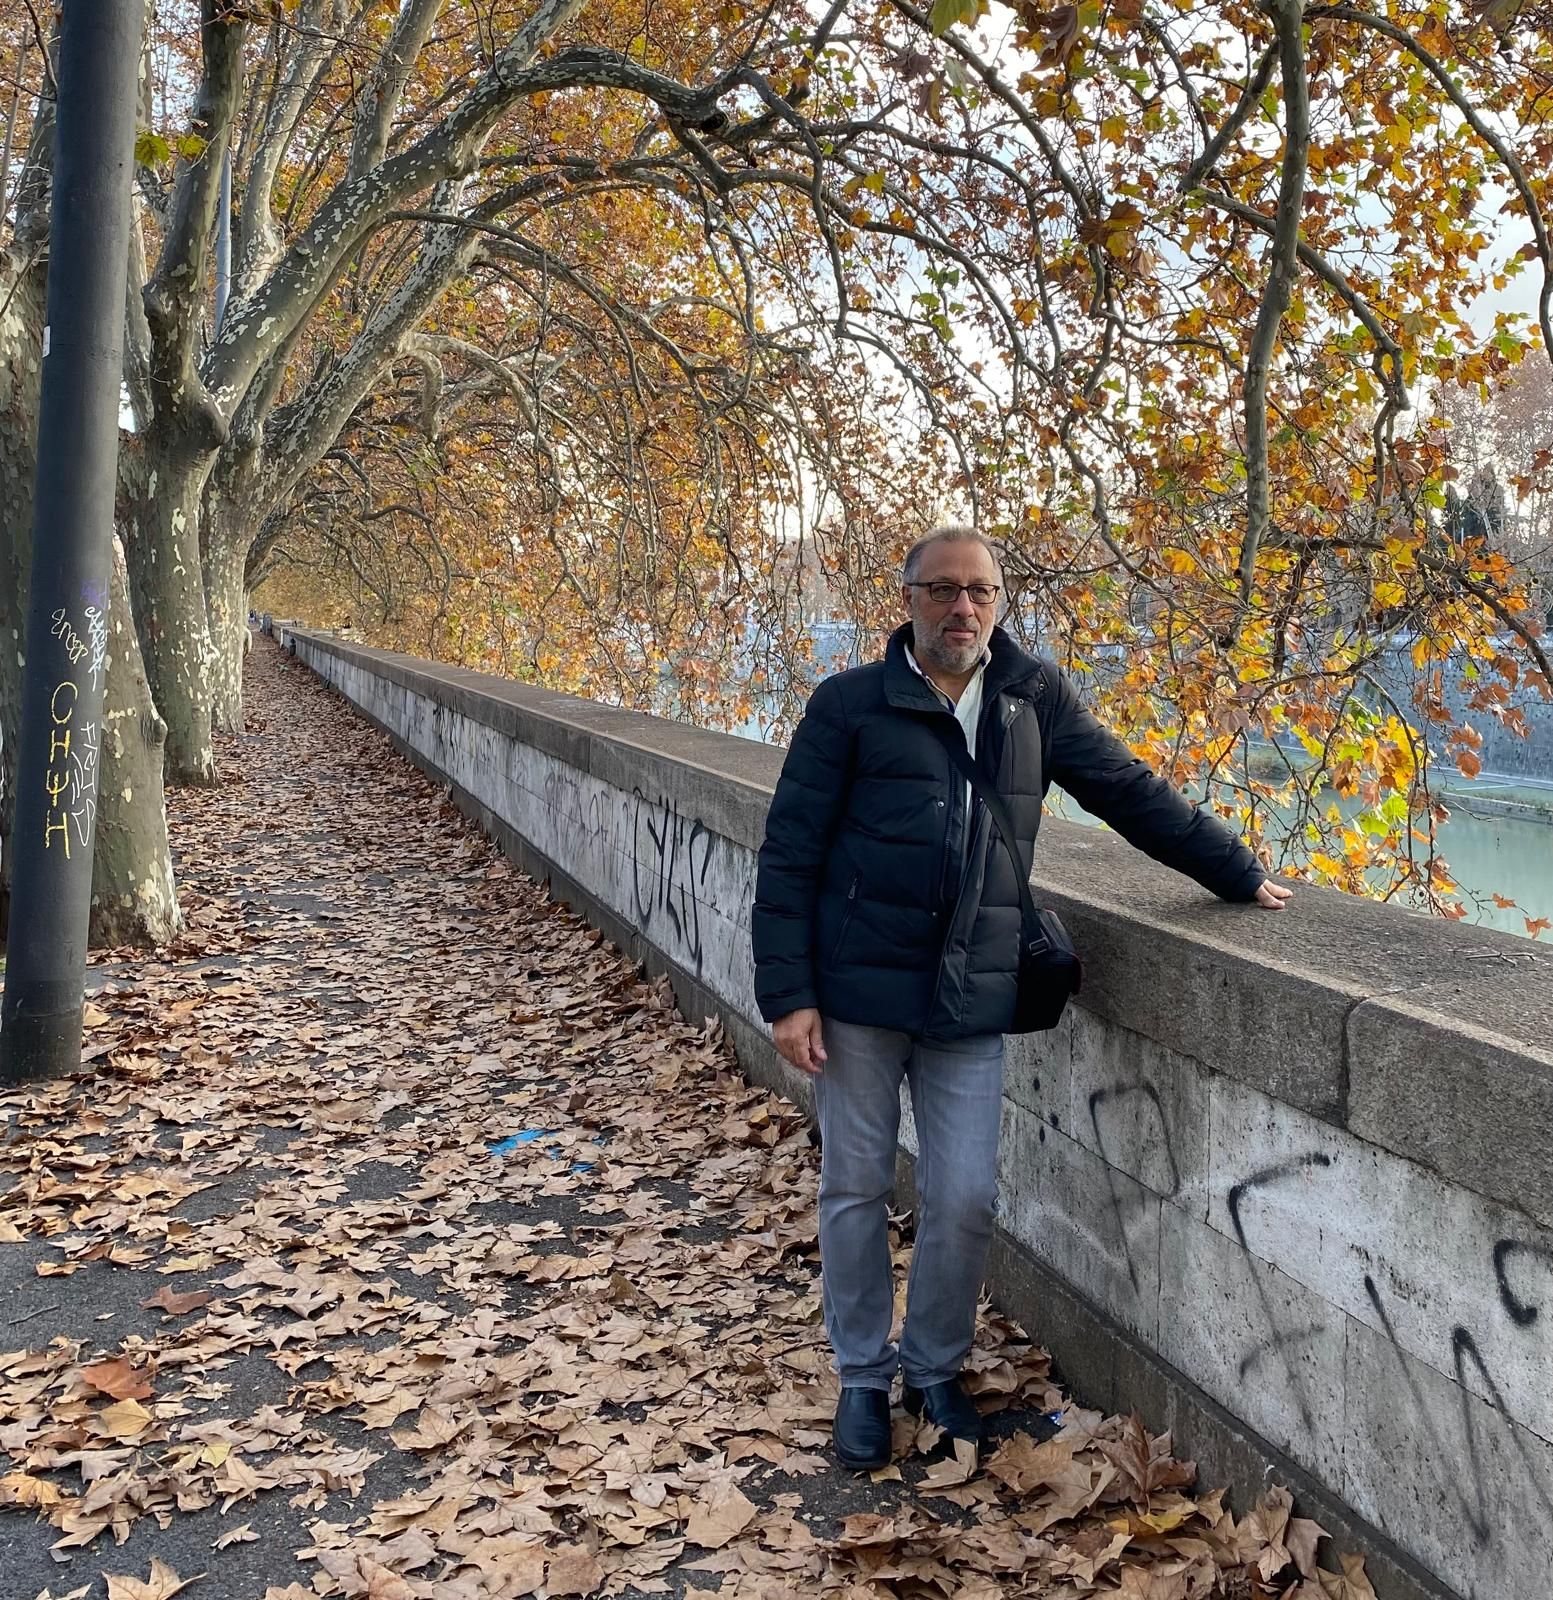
(228, 536)
(22, 287)
(134, 899)
(185, 430)
(377, 108)
(167, 587)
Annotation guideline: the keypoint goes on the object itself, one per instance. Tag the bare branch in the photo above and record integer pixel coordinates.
(259, 244)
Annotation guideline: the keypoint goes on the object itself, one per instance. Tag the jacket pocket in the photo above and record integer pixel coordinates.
(846, 917)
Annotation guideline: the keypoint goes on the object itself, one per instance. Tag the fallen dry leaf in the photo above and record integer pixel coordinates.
(574, 1571)
(1349, 1584)
(118, 1379)
(239, 1535)
(958, 1468)
(22, 1489)
(125, 1419)
(177, 1305)
(714, 1522)
(382, 1583)
(161, 1585)
(1144, 1583)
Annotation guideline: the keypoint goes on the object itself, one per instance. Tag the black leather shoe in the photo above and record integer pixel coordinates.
(948, 1405)
(862, 1432)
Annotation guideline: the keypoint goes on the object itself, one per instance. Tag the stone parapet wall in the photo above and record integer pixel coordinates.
(1282, 1183)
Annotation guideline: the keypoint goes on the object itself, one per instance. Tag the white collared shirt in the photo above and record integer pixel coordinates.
(967, 709)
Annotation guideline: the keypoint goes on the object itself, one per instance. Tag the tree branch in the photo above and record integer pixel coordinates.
(259, 242)
(1288, 18)
(1250, 99)
(358, 205)
(174, 295)
(379, 101)
(300, 434)
(1387, 347)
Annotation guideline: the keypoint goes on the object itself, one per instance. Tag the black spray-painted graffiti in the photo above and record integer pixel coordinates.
(670, 854)
(1282, 1339)
(1478, 1498)
(1470, 1484)
(1112, 1095)
(1518, 1311)
(1475, 1508)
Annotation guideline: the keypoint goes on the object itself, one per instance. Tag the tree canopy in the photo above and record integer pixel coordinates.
(614, 343)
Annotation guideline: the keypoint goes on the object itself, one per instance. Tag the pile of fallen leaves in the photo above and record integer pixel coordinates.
(402, 1241)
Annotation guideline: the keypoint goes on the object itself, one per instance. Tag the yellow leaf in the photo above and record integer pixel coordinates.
(22, 1489)
(1169, 1520)
(126, 1419)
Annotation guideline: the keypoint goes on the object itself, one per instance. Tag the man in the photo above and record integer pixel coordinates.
(886, 945)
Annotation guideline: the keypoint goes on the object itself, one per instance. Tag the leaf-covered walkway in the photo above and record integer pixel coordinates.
(404, 1242)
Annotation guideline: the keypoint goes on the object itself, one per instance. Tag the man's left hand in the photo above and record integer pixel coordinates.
(1273, 896)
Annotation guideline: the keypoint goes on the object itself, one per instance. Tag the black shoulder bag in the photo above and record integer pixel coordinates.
(1050, 970)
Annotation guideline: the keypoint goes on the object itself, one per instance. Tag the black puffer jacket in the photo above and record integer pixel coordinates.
(865, 904)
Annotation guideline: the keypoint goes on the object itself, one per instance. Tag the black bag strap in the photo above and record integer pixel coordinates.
(993, 801)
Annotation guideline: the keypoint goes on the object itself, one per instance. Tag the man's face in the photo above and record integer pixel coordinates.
(952, 635)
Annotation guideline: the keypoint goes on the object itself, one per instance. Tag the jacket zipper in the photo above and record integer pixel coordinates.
(949, 907)
(943, 849)
(846, 917)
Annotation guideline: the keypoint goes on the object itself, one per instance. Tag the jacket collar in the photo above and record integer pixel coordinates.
(910, 691)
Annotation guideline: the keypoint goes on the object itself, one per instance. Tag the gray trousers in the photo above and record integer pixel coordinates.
(956, 1103)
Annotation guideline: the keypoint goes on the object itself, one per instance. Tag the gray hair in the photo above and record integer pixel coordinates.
(949, 533)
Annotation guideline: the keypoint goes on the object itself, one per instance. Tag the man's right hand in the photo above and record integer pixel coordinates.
(798, 1040)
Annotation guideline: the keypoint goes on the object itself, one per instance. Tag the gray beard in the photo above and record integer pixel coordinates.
(942, 655)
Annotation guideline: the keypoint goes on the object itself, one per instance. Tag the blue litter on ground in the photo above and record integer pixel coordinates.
(511, 1143)
(529, 1136)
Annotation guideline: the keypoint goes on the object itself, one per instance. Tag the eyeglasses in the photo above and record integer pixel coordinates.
(944, 593)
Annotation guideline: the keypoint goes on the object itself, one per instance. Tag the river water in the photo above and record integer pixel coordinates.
(1510, 855)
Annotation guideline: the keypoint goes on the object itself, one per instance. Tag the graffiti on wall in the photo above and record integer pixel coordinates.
(1470, 1464)
(670, 854)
